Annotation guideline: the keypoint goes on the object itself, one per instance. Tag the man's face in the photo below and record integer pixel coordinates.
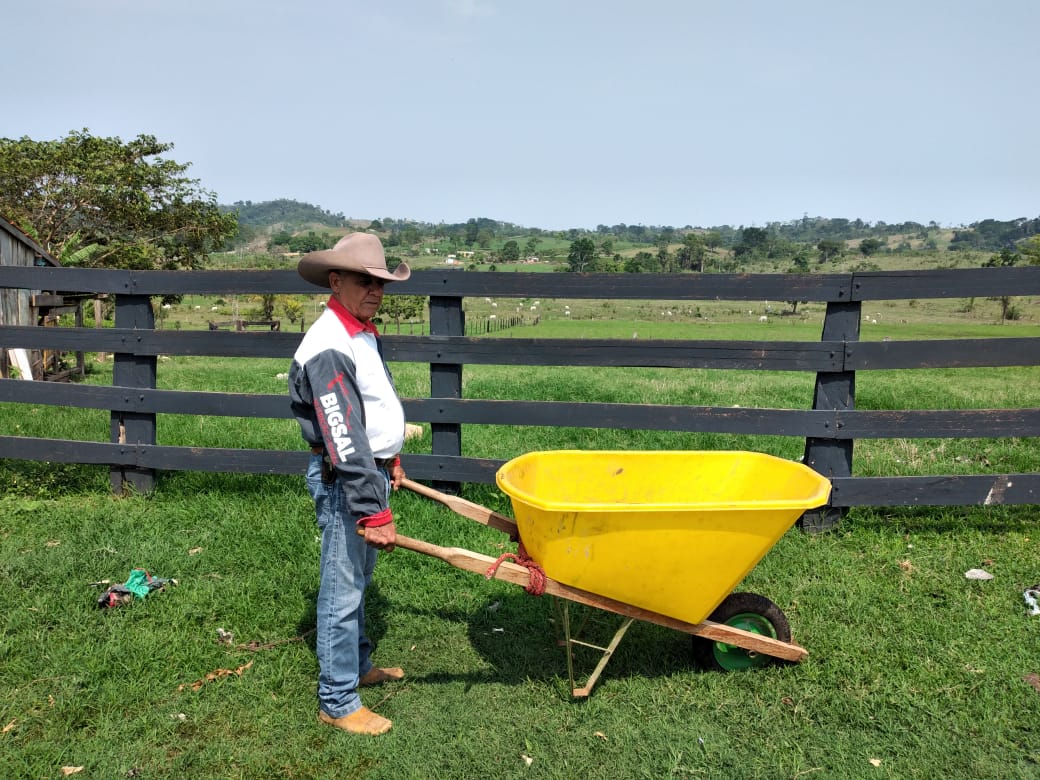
(360, 294)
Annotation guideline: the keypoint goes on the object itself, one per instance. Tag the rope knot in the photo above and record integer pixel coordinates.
(537, 579)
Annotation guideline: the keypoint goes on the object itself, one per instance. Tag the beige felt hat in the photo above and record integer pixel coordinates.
(358, 252)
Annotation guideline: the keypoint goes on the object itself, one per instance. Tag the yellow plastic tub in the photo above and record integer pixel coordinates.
(672, 532)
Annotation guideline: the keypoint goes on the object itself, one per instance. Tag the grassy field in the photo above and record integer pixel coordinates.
(913, 669)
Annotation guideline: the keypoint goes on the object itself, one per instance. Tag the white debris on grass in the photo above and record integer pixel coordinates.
(977, 574)
(1032, 597)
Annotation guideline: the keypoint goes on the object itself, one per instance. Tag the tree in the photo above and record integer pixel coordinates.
(830, 249)
(292, 307)
(1005, 258)
(800, 265)
(582, 254)
(102, 202)
(402, 307)
(754, 242)
(1031, 250)
(664, 258)
(869, 246)
(691, 254)
(266, 302)
(310, 242)
(510, 252)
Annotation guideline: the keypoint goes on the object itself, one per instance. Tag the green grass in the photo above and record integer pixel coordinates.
(910, 663)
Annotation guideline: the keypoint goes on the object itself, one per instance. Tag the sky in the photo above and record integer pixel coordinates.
(556, 114)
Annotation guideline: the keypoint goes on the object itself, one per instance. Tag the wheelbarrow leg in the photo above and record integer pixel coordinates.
(607, 652)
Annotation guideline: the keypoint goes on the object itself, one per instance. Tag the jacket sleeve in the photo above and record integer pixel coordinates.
(340, 415)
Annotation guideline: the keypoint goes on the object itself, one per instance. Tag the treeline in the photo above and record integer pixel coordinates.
(284, 212)
(773, 238)
(991, 234)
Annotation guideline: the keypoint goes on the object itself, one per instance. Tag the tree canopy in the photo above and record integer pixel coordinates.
(582, 255)
(103, 202)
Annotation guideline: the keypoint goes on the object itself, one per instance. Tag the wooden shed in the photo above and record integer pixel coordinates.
(30, 307)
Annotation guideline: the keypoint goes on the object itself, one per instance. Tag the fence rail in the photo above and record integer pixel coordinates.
(829, 428)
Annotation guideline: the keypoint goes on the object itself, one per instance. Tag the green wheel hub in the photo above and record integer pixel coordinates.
(732, 658)
(748, 612)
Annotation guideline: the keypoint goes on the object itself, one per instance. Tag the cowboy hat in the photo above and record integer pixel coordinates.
(358, 252)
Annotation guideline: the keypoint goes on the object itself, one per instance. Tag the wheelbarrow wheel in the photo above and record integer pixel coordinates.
(750, 612)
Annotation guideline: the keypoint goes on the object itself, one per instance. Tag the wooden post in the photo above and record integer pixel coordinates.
(834, 391)
(446, 319)
(129, 370)
(98, 322)
(81, 367)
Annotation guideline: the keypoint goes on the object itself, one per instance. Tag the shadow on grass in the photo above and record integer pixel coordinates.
(33, 479)
(945, 519)
(521, 638)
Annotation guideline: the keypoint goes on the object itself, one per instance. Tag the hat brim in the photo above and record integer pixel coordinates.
(315, 267)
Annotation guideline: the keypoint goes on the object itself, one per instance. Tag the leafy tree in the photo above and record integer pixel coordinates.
(665, 260)
(1031, 250)
(266, 302)
(800, 263)
(690, 255)
(310, 242)
(120, 201)
(1004, 259)
(582, 255)
(754, 242)
(402, 307)
(800, 266)
(830, 249)
(713, 240)
(510, 252)
(292, 307)
(643, 262)
(281, 238)
(869, 246)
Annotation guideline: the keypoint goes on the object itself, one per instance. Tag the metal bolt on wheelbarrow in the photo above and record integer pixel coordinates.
(658, 536)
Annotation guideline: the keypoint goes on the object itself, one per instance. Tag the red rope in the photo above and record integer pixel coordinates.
(535, 583)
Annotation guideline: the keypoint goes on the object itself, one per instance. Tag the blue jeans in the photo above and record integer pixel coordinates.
(346, 569)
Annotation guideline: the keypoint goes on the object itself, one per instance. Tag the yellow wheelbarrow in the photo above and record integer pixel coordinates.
(662, 537)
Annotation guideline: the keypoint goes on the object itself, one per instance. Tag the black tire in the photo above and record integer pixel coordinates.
(750, 612)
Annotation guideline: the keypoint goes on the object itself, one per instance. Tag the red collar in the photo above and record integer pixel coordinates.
(353, 325)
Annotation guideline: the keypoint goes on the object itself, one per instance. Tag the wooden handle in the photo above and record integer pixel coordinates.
(466, 508)
(515, 574)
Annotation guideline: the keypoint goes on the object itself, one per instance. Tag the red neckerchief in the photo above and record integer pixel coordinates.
(353, 325)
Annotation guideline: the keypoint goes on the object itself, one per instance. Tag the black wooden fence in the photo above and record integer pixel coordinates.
(829, 428)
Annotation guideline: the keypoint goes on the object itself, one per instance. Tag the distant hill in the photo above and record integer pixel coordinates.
(285, 214)
(258, 222)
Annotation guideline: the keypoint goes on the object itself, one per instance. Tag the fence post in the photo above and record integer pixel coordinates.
(446, 319)
(834, 391)
(129, 370)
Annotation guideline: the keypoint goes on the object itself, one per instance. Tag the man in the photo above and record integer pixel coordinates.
(344, 399)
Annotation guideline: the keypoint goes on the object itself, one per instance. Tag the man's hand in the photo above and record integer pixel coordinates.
(382, 537)
(396, 475)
